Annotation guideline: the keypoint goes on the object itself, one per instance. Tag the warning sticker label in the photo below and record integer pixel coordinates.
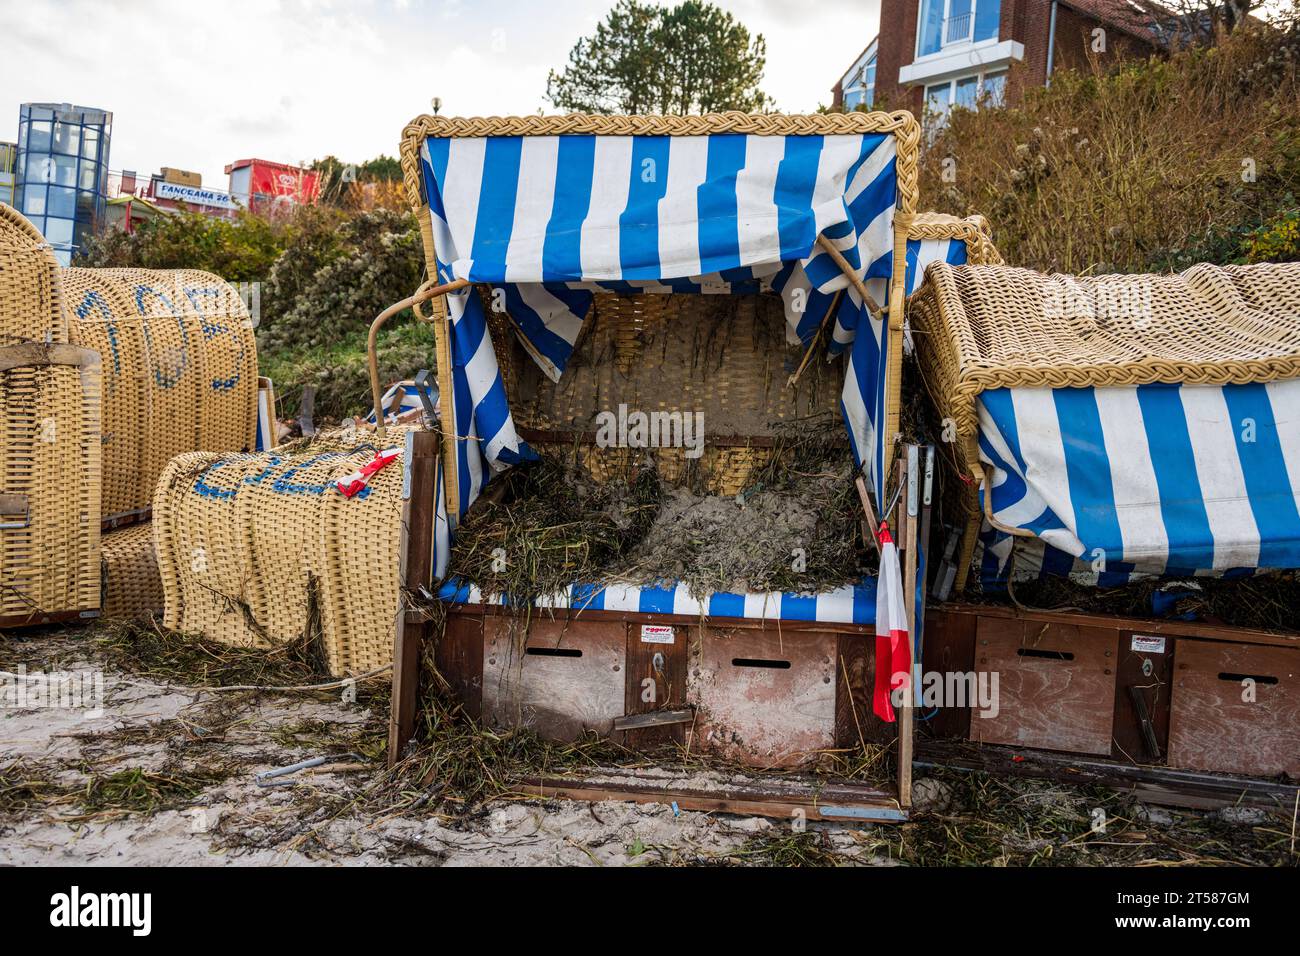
(1148, 645)
(657, 634)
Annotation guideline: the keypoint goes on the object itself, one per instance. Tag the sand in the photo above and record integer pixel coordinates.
(238, 823)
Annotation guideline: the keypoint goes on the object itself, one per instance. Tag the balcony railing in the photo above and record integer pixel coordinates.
(959, 29)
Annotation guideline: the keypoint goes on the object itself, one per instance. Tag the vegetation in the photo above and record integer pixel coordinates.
(1150, 166)
(691, 58)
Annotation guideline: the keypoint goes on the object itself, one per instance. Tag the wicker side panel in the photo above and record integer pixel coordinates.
(226, 363)
(31, 300)
(179, 470)
(260, 548)
(131, 583)
(180, 367)
(50, 455)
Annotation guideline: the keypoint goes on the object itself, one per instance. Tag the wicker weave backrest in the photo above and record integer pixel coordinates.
(180, 371)
(725, 357)
(31, 301)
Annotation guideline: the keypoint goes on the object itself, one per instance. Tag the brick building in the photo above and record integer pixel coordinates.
(943, 53)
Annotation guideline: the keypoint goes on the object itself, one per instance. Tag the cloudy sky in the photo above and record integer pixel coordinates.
(197, 83)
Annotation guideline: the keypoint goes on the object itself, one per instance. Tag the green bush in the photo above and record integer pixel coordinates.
(1149, 165)
(327, 286)
(1278, 240)
(341, 373)
(242, 249)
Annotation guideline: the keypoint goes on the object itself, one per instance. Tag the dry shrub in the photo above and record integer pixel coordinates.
(1142, 167)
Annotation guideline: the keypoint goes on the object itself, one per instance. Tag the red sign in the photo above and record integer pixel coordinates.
(270, 184)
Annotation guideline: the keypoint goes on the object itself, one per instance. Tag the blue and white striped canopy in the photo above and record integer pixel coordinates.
(851, 604)
(548, 220)
(1154, 479)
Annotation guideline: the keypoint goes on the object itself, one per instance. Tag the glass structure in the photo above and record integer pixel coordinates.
(61, 177)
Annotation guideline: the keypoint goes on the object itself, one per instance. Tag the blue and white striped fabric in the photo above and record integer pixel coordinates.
(267, 426)
(550, 219)
(866, 378)
(851, 604)
(1153, 479)
(921, 253)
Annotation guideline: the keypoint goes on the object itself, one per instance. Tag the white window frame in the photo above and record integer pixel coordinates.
(936, 121)
(869, 89)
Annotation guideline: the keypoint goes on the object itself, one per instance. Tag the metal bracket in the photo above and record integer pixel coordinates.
(13, 505)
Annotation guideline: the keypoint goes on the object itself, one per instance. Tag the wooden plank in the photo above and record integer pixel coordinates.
(656, 682)
(637, 617)
(1144, 669)
(761, 698)
(415, 572)
(593, 614)
(656, 718)
(554, 435)
(459, 658)
(560, 679)
(1056, 685)
(909, 514)
(1153, 626)
(949, 648)
(781, 799)
(855, 723)
(36, 354)
(38, 618)
(1151, 784)
(1219, 723)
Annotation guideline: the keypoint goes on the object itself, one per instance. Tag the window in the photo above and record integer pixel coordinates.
(65, 171)
(62, 202)
(67, 138)
(938, 100)
(965, 92)
(39, 137)
(861, 90)
(947, 23)
(58, 231)
(34, 201)
(995, 88)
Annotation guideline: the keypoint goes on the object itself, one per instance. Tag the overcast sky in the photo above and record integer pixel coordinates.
(197, 83)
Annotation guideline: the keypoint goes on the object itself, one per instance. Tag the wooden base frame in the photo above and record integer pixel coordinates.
(763, 692)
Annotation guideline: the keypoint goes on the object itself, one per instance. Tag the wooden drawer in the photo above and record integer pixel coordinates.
(565, 678)
(1235, 708)
(1056, 685)
(762, 698)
